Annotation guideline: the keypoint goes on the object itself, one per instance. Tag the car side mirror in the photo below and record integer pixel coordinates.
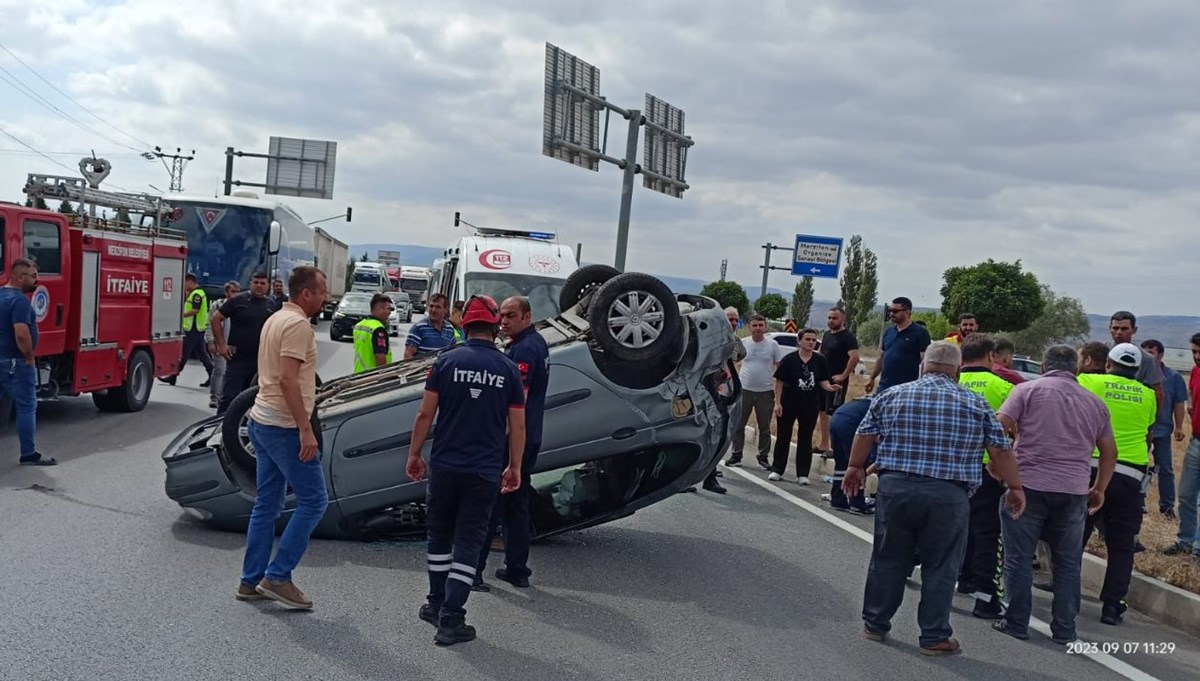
(273, 237)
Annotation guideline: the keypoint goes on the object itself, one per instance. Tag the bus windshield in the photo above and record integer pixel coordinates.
(541, 291)
(224, 242)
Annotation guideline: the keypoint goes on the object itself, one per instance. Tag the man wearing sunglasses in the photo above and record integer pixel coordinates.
(902, 350)
(477, 395)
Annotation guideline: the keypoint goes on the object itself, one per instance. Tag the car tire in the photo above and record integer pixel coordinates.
(651, 333)
(583, 281)
(134, 394)
(334, 335)
(233, 428)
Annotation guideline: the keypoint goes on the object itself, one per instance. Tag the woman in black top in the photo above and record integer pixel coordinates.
(797, 379)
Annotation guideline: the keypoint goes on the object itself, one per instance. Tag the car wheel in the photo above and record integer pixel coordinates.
(334, 335)
(583, 281)
(236, 437)
(134, 393)
(634, 318)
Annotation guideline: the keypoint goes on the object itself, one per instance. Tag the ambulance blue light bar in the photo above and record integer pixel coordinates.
(490, 231)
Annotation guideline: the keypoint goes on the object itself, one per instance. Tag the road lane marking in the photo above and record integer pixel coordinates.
(1118, 666)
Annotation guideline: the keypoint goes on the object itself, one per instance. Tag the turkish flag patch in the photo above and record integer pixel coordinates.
(524, 367)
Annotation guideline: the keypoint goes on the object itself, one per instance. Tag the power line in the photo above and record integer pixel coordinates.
(95, 115)
(73, 171)
(8, 77)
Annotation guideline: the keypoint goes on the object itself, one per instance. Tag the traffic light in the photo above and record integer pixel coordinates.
(349, 210)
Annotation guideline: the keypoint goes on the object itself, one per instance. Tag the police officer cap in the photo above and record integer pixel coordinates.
(1126, 354)
(481, 308)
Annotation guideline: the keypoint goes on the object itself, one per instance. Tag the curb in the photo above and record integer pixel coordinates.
(1149, 596)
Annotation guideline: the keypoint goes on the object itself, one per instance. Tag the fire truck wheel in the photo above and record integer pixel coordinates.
(134, 393)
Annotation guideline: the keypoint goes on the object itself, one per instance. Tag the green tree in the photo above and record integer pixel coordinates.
(350, 274)
(66, 208)
(728, 293)
(999, 294)
(771, 306)
(860, 284)
(364, 257)
(937, 325)
(870, 331)
(1062, 321)
(39, 203)
(802, 301)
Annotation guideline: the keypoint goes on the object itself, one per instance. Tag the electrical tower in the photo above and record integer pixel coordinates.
(178, 163)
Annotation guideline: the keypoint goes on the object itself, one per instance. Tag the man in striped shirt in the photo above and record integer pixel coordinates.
(432, 333)
(929, 433)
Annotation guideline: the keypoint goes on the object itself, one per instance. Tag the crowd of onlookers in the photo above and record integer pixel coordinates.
(978, 465)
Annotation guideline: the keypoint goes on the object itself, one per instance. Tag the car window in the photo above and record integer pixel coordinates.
(42, 246)
(789, 341)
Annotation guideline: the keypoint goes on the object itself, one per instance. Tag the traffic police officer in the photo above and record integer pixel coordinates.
(1132, 408)
(981, 562)
(528, 349)
(372, 347)
(195, 321)
(475, 392)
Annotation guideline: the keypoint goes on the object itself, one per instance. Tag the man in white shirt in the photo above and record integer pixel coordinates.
(758, 391)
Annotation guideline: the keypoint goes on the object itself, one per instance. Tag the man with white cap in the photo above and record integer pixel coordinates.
(1132, 408)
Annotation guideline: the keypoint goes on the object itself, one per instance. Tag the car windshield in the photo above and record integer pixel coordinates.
(541, 291)
(410, 285)
(366, 277)
(225, 243)
(398, 297)
(356, 300)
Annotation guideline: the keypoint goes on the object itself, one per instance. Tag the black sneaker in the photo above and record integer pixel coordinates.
(763, 463)
(428, 614)
(38, 460)
(458, 632)
(988, 610)
(519, 582)
(1178, 550)
(966, 587)
(733, 461)
(481, 586)
(711, 484)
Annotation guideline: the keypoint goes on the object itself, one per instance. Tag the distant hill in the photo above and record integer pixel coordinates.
(1172, 331)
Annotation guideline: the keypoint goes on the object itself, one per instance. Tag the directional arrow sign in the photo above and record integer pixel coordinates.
(817, 256)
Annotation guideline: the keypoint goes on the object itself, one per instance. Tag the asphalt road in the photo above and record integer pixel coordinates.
(106, 578)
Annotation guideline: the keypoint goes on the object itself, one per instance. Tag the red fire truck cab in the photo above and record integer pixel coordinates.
(109, 302)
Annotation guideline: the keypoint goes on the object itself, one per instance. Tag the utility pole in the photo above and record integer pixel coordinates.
(178, 163)
(766, 266)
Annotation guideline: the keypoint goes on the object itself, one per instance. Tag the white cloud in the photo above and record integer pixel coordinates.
(944, 132)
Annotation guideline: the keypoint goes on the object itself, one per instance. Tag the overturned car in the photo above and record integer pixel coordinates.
(641, 402)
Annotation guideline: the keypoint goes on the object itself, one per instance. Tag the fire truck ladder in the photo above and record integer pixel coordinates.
(75, 189)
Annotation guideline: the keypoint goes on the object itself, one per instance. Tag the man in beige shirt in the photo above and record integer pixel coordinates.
(285, 444)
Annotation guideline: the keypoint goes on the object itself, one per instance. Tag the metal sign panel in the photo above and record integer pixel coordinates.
(817, 256)
(567, 117)
(387, 257)
(664, 155)
(298, 167)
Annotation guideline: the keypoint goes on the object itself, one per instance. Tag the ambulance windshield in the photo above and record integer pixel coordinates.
(224, 242)
(541, 291)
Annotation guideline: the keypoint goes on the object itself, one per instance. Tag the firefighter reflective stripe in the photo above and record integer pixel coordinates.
(199, 322)
(364, 348)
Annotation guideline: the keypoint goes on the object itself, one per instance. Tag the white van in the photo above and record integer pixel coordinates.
(505, 262)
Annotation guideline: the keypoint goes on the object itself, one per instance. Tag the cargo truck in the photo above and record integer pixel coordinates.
(332, 257)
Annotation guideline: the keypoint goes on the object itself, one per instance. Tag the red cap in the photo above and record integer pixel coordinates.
(481, 308)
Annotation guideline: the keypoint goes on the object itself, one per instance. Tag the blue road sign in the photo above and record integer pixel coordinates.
(817, 256)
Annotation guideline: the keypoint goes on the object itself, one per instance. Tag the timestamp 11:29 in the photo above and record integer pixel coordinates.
(1120, 647)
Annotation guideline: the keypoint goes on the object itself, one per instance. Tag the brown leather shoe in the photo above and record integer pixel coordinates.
(245, 592)
(947, 647)
(286, 593)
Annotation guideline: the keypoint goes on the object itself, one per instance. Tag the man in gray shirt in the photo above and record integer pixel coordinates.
(1122, 326)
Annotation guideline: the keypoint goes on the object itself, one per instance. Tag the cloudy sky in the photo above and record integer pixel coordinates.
(1066, 133)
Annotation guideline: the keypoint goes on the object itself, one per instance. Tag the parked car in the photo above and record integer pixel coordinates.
(354, 307)
(402, 311)
(639, 407)
(1028, 368)
(787, 340)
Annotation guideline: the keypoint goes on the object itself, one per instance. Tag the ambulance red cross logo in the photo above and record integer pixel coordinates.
(209, 217)
(496, 259)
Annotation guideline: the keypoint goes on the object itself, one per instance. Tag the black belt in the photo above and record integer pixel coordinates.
(884, 471)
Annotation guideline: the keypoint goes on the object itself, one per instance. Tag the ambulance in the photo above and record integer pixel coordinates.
(505, 262)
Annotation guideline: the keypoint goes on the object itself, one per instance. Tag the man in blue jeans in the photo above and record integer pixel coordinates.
(1168, 428)
(1188, 539)
(1057, 424)
(18, 368)
(476, 393)
(285, 445)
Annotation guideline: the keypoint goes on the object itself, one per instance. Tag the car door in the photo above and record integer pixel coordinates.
(44, 241)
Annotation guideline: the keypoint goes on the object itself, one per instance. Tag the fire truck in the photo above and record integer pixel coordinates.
(109, 301)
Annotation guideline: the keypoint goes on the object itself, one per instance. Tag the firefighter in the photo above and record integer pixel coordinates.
(372, 347)
(1133, 410)
(195, 322)
(476, 392)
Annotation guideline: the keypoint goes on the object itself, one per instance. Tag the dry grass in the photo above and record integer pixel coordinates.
(1157, 533)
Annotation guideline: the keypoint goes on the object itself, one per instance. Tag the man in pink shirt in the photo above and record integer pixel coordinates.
(1057, 424)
